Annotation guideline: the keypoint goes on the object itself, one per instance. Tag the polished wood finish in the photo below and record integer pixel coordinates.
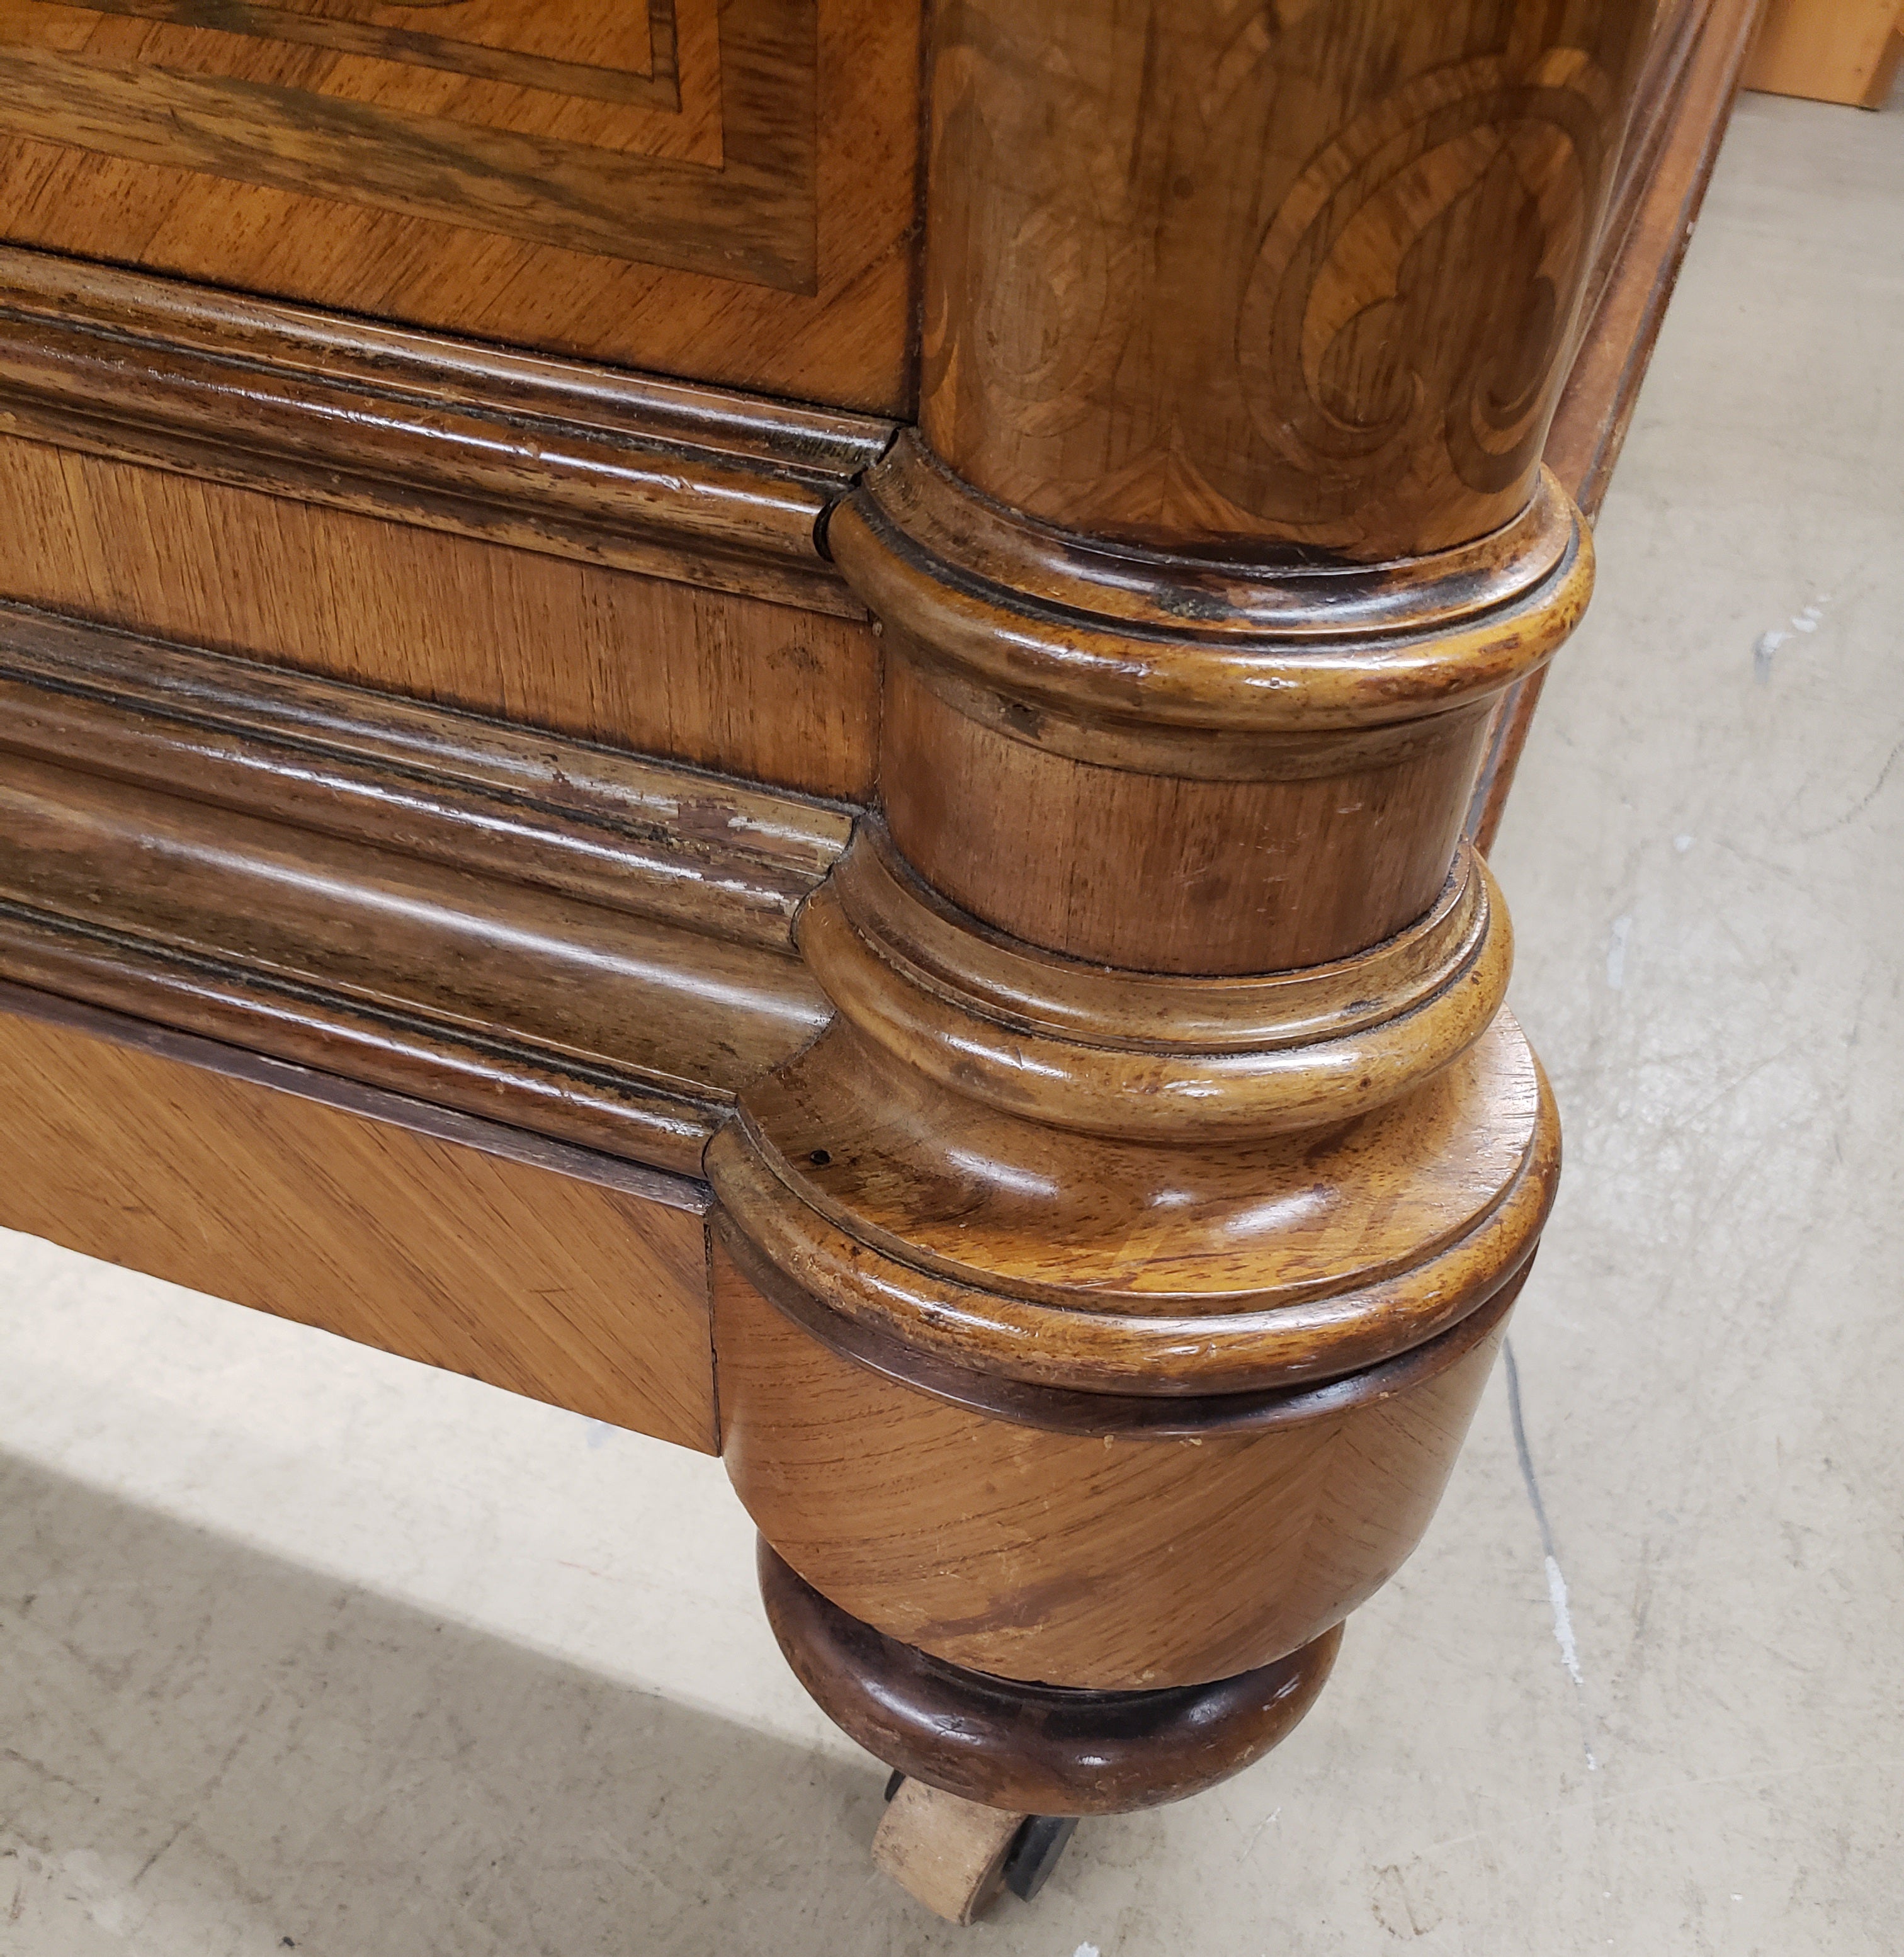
(1109, 1560)
(1019, 1242)
(1131, 1057)
(1192, 270)
(1152, 1205)
(1282, 778)
(1215, 553)
(1037, 1749)
(458, 1243)
(767, 691)
(724, 490)
(750, 225)
(1846, 51)
(596, 948)
(480, 795)
(1120, 1166)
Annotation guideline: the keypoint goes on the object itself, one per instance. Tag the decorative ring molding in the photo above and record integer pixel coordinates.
(1090, 1335)
(1166, 645)
(1036, 1749)
(1138, 1057)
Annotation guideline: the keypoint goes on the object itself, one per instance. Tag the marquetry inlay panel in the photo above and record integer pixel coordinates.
(518, 169)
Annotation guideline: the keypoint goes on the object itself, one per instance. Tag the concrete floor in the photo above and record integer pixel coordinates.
(303, 1647)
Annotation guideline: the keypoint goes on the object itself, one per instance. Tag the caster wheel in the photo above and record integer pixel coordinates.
(954, 1856)
(1036, 1850)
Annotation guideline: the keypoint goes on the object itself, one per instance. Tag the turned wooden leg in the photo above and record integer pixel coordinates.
(1101, 1300)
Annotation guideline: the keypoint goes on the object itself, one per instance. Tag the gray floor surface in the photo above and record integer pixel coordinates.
(303, 1648)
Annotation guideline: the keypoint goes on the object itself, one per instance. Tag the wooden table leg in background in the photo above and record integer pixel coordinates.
(1845, 51)
(1097, 1317)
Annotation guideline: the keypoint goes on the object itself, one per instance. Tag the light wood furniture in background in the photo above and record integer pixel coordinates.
(1845, 51)
(820, 789)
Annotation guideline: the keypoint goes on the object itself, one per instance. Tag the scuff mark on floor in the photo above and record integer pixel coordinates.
(1563, 1620)
(1765, 647)
(1616, 951)
(1256, 1835)
(1556, 1582)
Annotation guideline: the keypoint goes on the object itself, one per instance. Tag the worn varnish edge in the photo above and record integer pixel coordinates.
(623, 1116)
(1326, 664)
(1036, 1336)
(501, 820)
(700, 484)
(509, 804)
(1029, 1062)
(1024, 1746)
(351, 1097)
(1616, 348)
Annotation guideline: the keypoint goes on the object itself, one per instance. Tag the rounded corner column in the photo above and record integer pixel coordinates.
(1102, 1297)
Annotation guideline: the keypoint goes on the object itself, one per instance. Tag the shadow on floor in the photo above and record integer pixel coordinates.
(203, 1748)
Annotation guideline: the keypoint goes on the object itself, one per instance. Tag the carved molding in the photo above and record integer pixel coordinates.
(724, 490)
(509, 923)
(1171, 664)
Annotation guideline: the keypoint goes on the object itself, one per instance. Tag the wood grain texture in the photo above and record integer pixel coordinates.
(463, 1245)
(996, 1161)
(639, 1032)
(758, 234)
(1112, 1563)
(1008, 1247)
(1678, 126)
(1235, 877)
(1223, 531)
(484, 797)
(527, 48)
(1108, 1053)
(596, 948)
(757, 690)
(1146, 760)
(722, 490)
(948, 1854)
(1042, 1750)
(1196, 273)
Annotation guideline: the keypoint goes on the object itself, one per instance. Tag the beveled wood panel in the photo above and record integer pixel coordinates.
(539, 1268)
(763, 691)
(718, 188)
